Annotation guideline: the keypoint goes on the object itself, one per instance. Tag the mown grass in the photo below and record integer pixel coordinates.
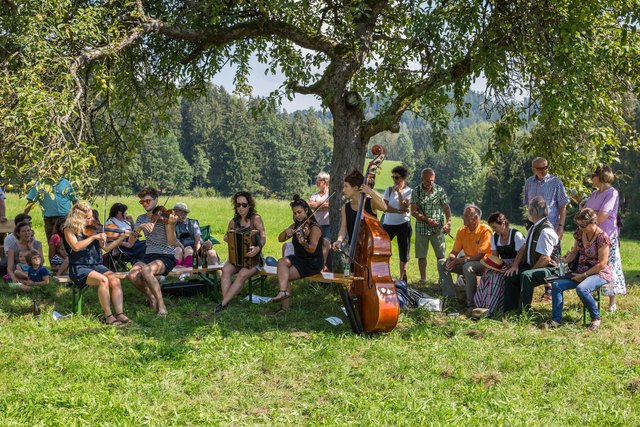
(247, 368)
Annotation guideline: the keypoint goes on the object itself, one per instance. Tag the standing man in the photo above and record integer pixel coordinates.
(53, 208)
(319, 201)
(430, 208)
(475, 240)
(161, 246)
(551, 189)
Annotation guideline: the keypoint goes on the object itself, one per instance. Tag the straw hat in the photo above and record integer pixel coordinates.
(494, 263)
(181, 207)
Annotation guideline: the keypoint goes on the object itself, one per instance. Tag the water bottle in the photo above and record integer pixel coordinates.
(562, 268)
(346, 266)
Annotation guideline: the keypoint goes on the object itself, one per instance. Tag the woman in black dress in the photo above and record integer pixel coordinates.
(307, 258)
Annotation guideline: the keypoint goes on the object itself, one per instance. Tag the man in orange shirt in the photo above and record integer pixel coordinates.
(475, 240)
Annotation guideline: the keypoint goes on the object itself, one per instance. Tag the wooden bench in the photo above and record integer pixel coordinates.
(205, 274)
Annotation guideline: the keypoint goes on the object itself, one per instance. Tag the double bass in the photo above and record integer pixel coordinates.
(376, 302)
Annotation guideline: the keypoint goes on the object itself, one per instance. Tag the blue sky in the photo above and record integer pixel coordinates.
(264, 84)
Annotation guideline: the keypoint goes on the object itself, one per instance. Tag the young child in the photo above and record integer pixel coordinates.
(38, 274)
(22, 267)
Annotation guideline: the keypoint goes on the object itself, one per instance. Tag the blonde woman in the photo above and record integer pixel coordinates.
(84, 245)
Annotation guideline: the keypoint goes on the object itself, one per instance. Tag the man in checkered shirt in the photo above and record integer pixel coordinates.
(551, 189)
(430, 208)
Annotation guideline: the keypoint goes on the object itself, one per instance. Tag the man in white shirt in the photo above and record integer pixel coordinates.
(536, 255)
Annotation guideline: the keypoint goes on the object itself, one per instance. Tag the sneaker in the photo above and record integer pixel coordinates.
(613, 308)
(551, 324)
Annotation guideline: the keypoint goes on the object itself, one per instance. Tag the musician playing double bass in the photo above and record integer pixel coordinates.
(352, 187)
(245, 216)
(307, 259)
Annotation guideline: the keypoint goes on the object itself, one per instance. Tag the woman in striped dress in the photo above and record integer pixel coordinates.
(505, 243)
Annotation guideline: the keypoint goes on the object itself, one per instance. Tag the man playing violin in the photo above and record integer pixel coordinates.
(159, 227)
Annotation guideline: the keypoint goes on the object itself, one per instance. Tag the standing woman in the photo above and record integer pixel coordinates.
(85, 262)
(397, 218)
(351, 188)
(245, 215)
(604, 201)
(307, 258)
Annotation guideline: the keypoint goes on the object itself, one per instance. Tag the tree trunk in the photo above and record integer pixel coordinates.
(349, 151)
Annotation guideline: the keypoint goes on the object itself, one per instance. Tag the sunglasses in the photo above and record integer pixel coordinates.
(395, 176)
(242, 205)
(542, 168)
(145, 201)
(582, 225)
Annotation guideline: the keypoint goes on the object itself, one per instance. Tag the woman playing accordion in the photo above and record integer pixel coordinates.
(246, 218)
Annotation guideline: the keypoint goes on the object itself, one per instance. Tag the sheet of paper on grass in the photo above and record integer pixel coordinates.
(257, 299)
(335, 321)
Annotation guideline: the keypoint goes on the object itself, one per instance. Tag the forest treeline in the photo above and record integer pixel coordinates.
(215, 145)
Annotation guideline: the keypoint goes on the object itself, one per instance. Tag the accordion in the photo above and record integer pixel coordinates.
(239, 242)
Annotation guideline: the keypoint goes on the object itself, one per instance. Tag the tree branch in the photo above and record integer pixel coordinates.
(223, 36)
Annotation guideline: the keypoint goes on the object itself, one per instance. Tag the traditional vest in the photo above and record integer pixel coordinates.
(533, 236)
(507, 251)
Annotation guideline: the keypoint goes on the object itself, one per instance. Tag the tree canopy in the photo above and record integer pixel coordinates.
(80, 79)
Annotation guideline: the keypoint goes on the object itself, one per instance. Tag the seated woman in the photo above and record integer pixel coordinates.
(505, 244)
(85, 262)
(24, 244)
(189, 240)
(307, 258)
(592, 247)
(245, 216)
(133, 250)
(58, 257)
(352, 187)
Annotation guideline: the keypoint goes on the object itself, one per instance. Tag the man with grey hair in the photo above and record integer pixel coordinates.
(475, 240)
(550, 187)
(319, 201)
(536, 253)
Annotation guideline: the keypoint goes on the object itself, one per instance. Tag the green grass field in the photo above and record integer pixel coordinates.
(244, 367)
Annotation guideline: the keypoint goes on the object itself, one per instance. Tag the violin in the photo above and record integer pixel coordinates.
(95, 227)
(303, 231)
(161, 214)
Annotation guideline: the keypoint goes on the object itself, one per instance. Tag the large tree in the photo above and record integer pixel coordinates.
(65, 62)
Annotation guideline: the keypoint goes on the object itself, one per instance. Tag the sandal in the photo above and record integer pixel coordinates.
(282, 298)
(113, 322)
(219, 308)
(125, 321)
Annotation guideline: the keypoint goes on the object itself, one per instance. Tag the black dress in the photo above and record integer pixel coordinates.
(350, 214)
(307, 263)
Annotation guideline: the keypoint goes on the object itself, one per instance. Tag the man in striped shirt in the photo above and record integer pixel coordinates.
(160, 255)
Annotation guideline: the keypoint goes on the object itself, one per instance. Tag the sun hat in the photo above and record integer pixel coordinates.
(494, 263)
(181, 207)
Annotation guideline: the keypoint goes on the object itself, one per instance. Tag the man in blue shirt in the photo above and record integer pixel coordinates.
(551, 189)
(52, 207)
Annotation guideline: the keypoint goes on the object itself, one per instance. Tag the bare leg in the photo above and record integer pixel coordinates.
(286, 274)
(102, 282)
(403, 269)
(236, 286)
(228, 270)
(422, 266)
(136, 279)
(179, 255)
(148, 273)
(116, 293)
